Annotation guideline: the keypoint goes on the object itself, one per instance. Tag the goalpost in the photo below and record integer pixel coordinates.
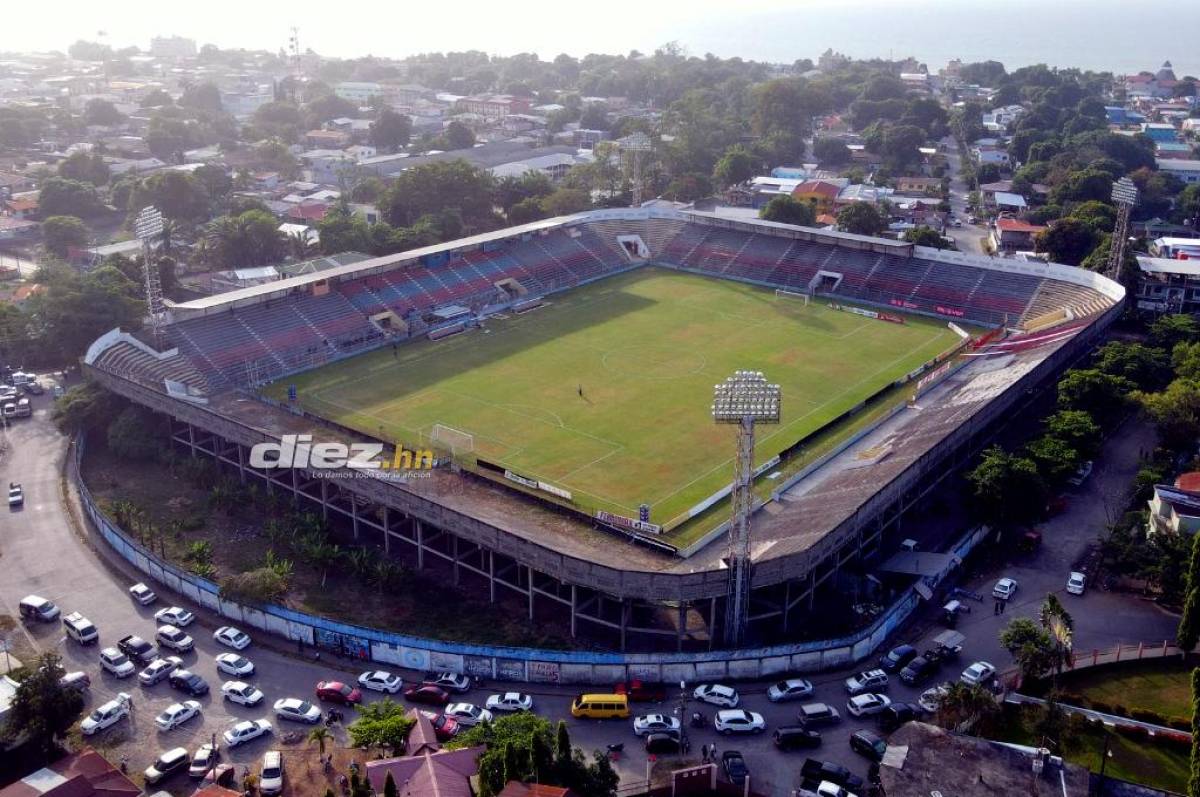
(453, 440)
(783, 293)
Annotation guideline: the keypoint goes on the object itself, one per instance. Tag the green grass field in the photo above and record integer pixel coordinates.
(646, 349)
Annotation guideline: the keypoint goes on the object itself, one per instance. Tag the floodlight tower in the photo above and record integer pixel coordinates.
(1125, 195)
(636, 144)
(744, 399)
(147, 226)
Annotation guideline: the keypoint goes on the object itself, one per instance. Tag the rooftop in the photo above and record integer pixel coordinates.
(1016, 225)
(82, 774)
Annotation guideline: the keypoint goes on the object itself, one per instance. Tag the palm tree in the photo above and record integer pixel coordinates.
(360, 560)
(299, 245)
(963, 706)
(320, 735)
(1057, 622)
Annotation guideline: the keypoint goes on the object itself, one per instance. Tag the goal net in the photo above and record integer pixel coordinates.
(450, 439)
(781, 293)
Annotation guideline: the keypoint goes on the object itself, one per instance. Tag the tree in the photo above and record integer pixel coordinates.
(249, 239)
(204, 97)
(566, 201)
(1056, 459)
(61, 197)
(737, 165)
(391, 131)
(1008, 489)
(1194, 780)
(594, 117)
(62, 233)
(179, 195)
(526, 210)
(84, 167)
(89, 51)
(786, 209)
(1176, 413)
(383, 724)
(1067, 241)
(1077, 429)
(1101, 395)
(965, 706)
(861, 218)
(42, 708)
(1188, 633)
(1031, 647)
(1145, 366)
(458, 136)
(1059, 627)
(926, 236)
(320, 735)
(429, 189)
(1168, 331)
(156, 98)
(101, 112)
(134, 435)
(901, 145)
(830, 152)
(85, 407)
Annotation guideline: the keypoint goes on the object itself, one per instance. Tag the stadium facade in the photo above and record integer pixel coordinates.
(609, 578)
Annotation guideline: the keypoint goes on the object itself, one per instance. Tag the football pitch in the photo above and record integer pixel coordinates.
(606, 390)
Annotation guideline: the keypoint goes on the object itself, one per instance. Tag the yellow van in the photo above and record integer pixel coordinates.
(601, 707)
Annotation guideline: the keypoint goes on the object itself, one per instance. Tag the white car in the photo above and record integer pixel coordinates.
(450, 681)
(142, 594)
(233, 664)
(171, 637)
(932, 697)
(866, 704)
(16, 496)
(868, 681)
(297, 710)
(231, 637)
(245, 731)
(1005, 588)
(106, 716)
(978, 673)
(655, 723)
(176, 714)
(159, 670)
(717, 695)
(241, 693)
(116, 662)
(202, 760)
(737, 720)
(271, 779)
(173, 615)
(1077, 583)
(381, 681)
(468, 714)
(510, 701)
(791, 689)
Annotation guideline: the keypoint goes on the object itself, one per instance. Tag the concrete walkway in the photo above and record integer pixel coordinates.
(1107, 719)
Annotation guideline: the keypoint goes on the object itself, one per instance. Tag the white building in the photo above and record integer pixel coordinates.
(1186, 170)
(358, 92)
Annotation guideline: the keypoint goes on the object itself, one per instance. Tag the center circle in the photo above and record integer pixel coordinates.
(653, 361)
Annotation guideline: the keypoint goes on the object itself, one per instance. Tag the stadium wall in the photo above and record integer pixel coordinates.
(504, 663)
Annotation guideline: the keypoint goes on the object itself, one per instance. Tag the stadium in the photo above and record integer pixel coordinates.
(560, 376)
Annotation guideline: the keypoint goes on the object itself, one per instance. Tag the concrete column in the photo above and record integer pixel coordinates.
(492, 576)
(573, 611)
(624, 620)
(241, 462)
(787, 604)
(324, 500)
(529, 585)
(680, 625)
(387, 531)
(712, 621)
(454, 551)
(192, 440)
(420, 531)
(354, 518)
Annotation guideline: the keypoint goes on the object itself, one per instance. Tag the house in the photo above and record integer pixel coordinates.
(357, 92)
(327, 139)
(823, 194)
(1178, 248)
(15, 229)
(1122, 117)
(1168, 284)
(515, 788)
(1159, 131)
(862, 192)
(1155, 85)
(22, 206)
(990, 154)
(1005, 200)
(367, 212)
(492, 106)
(998, 120)
(82, 774)
(554, 166)
(1187, 171)
(426, 769)
(917, 185)
(290, 229)
(13, 183)
(1175, 509)
(1011, 235)
(326, 165)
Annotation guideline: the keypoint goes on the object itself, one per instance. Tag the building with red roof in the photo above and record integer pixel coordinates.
(1014, 235)
(427, 769)
(82, 774)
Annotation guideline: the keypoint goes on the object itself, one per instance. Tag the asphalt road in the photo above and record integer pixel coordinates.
(969, 237)
(40, 553)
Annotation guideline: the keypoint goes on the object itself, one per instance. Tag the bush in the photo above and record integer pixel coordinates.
(258, 586)
(1073, 699)
(1146, 715)
(1135, 732)
(1102, 707)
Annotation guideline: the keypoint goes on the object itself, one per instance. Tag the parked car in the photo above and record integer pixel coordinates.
(381, 681)
(16, 494)
(450, 681)
(791, 689)
(737, 720)
(234, 664)
(868, 744)
(166, 765)
(338, 692)
(76, 680)
(813, 714)
(241, 693)
(662, 743)
(427, 693)
(176, 714)
(817, 770)
(189, 682)
(137, 649)
(173, 615)
(79, 628)
(1005, 588)
(510, 701)
(231, 637)
(245, 731)
(919, 670)
(270, 779)
(142, 594)
(35, 607)
(444, 727)
(717, 695)
(655, 723)
(203, 759)
(116, 663)
(978, 673)
(931, 698)
(468, 714)
(106, 715)
(866, 704)
(641, 691)
(1076, 583)
(897, 657)
(734, 767)
(868, 681)
(171, 637)
(297, 710)
(897, 714)
(795, 737)
(159, 669)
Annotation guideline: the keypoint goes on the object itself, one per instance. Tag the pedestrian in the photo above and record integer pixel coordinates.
(704, 753)
(1003, 606)
(996, 608)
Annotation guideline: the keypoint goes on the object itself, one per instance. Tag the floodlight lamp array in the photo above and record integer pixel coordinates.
(746, 395)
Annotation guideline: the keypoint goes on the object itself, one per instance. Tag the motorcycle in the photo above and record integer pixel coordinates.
(615, 750)
(698, 719)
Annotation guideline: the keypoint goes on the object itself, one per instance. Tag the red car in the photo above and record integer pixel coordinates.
(338, 692)
(642, 692)
(445, 728)
(427, 693)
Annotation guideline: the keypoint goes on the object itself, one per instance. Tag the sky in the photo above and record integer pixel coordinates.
(1094, 34)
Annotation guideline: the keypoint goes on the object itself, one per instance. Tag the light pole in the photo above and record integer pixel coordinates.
(1125, 195)
(147, 226)
(744, 399)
